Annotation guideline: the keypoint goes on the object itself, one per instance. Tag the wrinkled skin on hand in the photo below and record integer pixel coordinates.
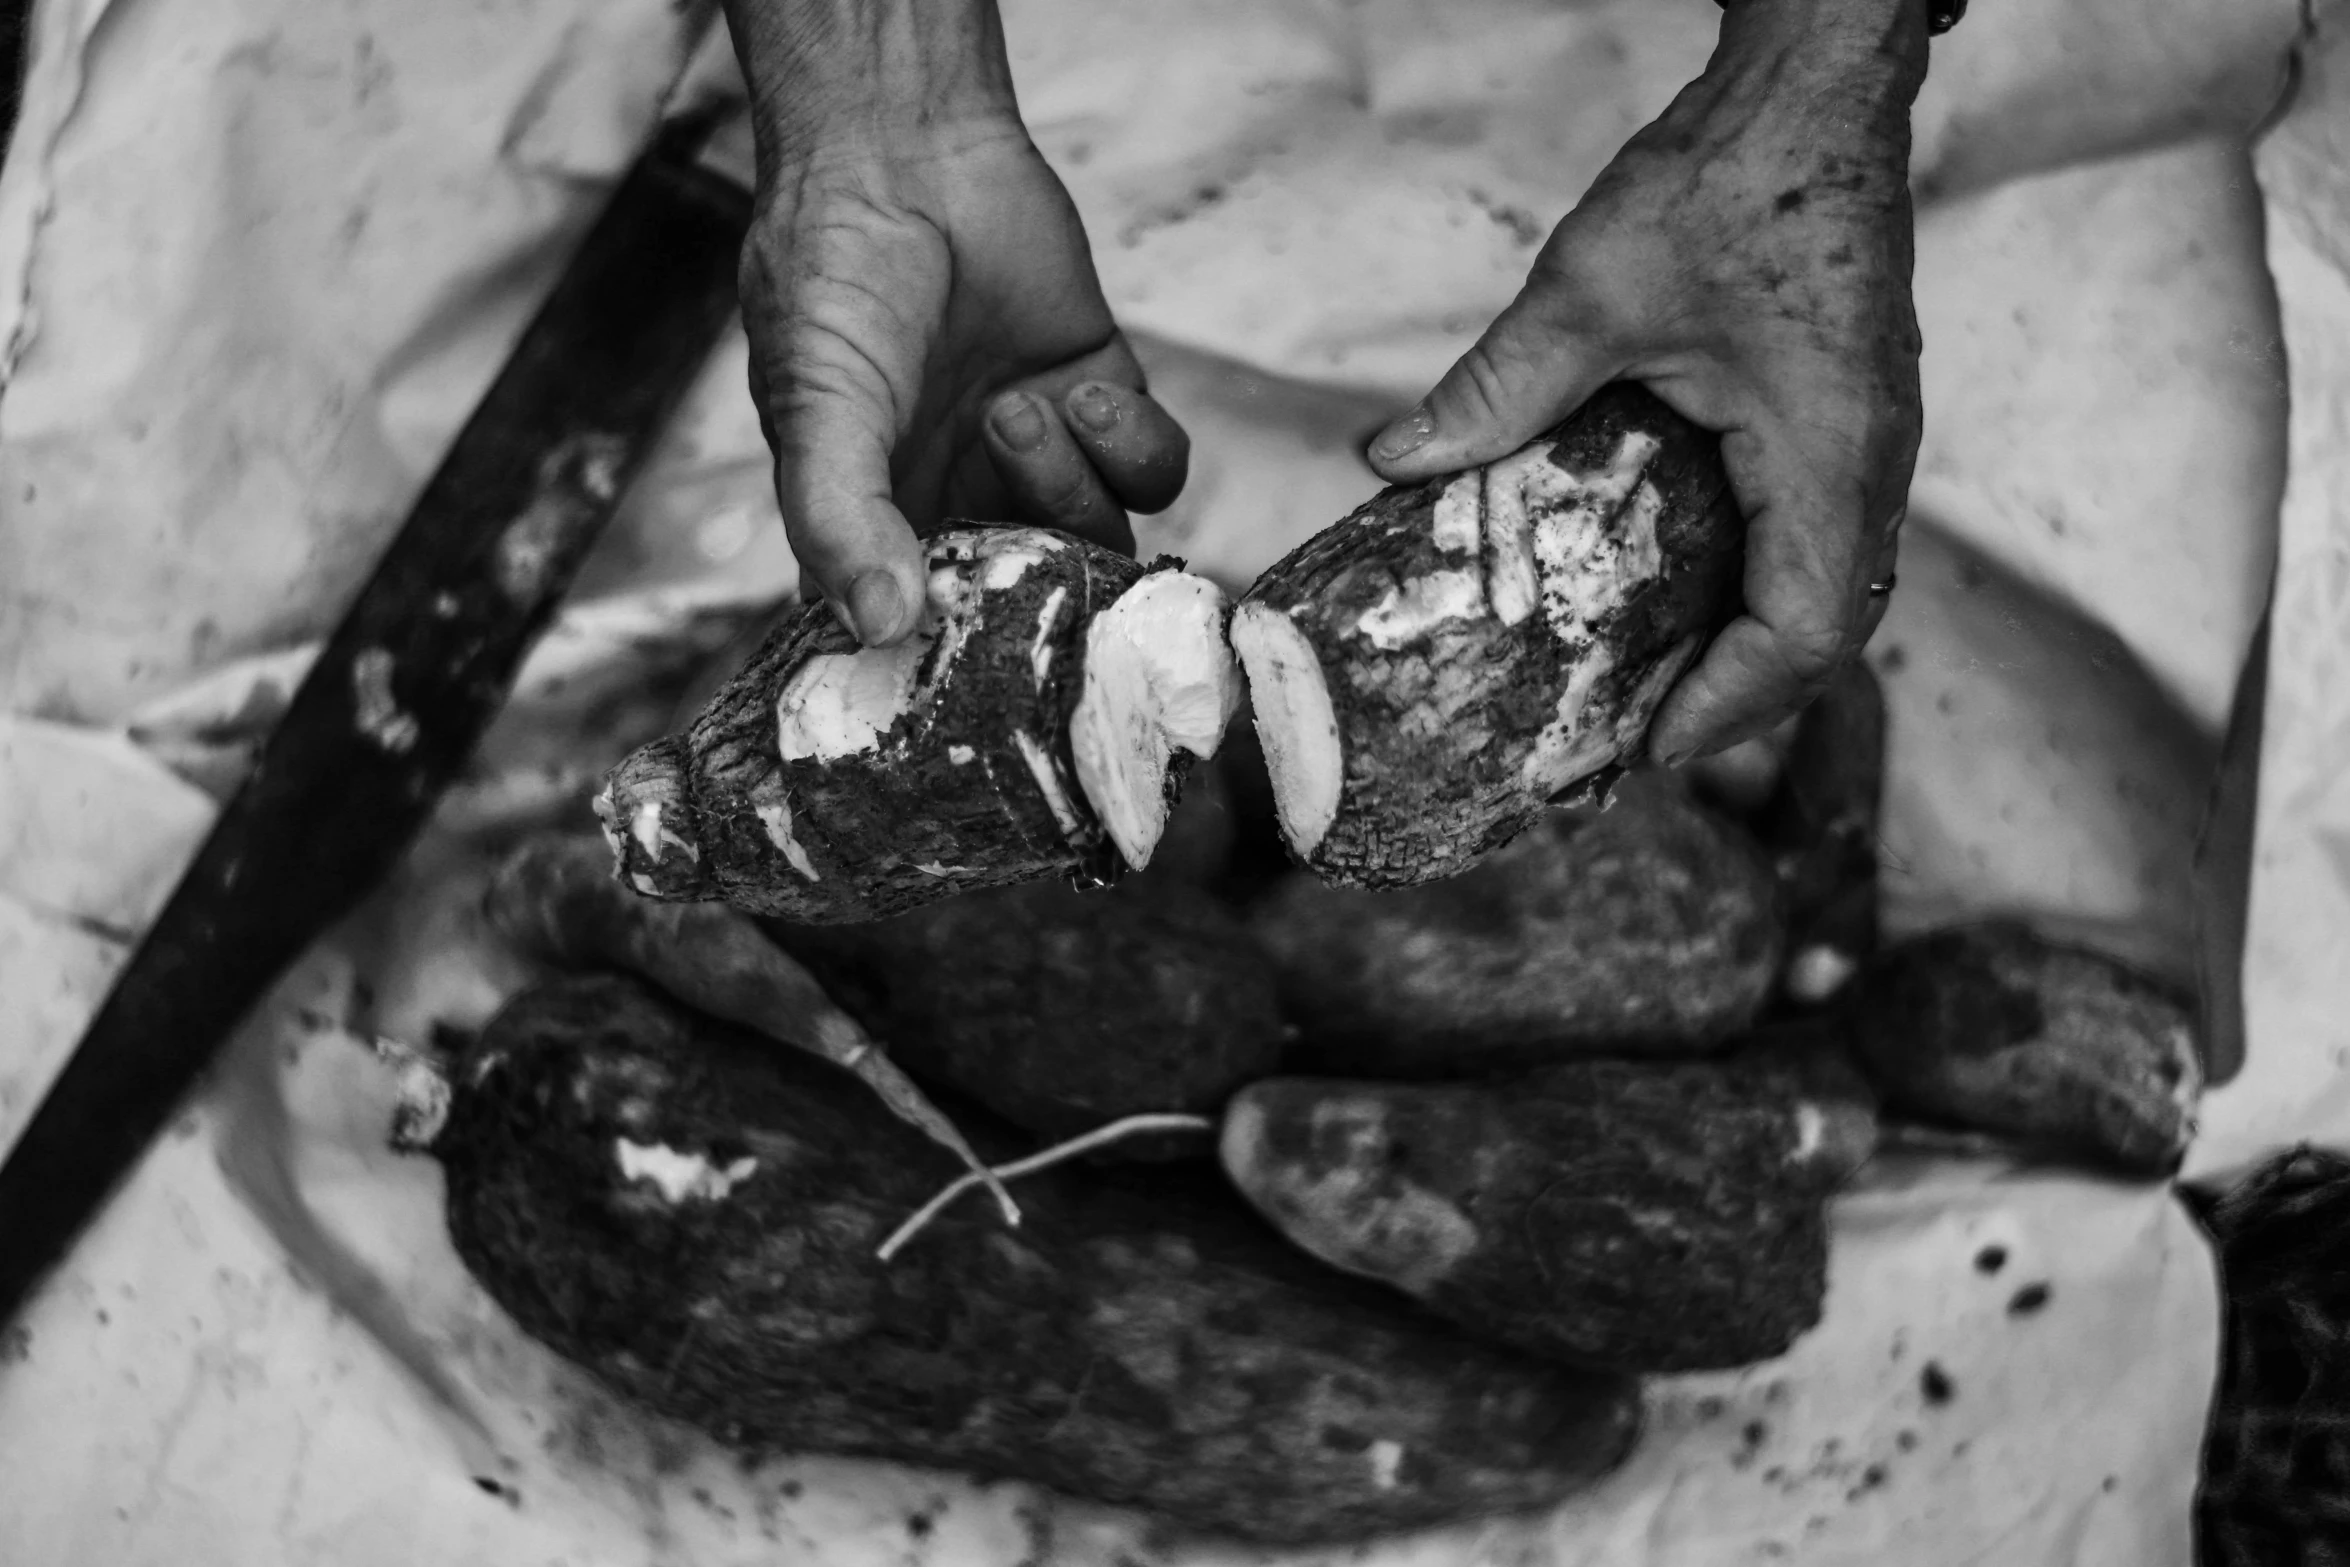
(928, 337)
(1748, 257)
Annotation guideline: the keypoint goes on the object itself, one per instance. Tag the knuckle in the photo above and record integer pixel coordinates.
(1812, 656)
(1483, 385)
(827, 364)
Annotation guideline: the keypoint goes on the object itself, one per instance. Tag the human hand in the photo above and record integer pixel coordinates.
(928, 337)
(1747, 257)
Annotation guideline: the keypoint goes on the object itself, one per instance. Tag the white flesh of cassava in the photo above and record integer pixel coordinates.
(1158, 676)
(1295, 721)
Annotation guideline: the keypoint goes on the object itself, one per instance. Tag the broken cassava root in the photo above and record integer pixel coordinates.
(1038, 720)
(1427, 675)
(693, 1220)
(1432, 671)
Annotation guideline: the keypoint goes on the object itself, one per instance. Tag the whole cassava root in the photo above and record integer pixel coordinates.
(1993, 1028)
(1432, 671)
(1057, 1009)
(1650, 1216)
(1650, 927)
(1035, 724)
(694, 1222)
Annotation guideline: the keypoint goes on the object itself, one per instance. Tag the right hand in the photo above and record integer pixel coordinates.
(928, 338)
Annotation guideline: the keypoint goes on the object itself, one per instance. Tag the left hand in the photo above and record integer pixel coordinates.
(1747, 257)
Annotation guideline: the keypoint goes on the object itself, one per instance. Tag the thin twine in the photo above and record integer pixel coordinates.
(1130, 1126)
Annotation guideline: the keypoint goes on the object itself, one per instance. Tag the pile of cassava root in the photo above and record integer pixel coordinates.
(1326, 1202)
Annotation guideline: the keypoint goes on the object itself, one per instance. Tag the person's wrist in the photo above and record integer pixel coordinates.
(871, 77)
(1885, 38)
(1836, 58)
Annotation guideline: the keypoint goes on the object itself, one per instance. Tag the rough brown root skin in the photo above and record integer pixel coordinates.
(1990, 1027)
(647, 813)
(1061, 1010)
(828, 782)
(1644, 1216)
(694, 1222)
(1651, 927)
(1474, 648)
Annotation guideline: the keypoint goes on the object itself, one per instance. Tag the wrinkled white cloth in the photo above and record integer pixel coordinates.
(257, 259)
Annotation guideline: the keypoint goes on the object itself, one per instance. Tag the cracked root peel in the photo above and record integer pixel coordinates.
(1432, 671)
(1035, 724)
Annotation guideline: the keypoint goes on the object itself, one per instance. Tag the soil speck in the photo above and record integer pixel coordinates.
(1934, 1384)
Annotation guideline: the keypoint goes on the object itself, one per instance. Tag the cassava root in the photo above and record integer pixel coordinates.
(1433, 671)
(1037, 723)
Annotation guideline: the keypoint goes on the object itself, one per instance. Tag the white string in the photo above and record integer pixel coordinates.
(1131, 1126)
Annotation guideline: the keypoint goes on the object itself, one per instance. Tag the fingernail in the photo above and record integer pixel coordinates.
(874, 607)
(1093, 406)
(1020, 422)
(1406, 436)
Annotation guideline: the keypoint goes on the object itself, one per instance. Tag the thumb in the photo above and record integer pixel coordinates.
(1535, 364)
(830, 419)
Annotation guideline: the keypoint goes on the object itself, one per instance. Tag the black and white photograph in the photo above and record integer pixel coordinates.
(1175, 783)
